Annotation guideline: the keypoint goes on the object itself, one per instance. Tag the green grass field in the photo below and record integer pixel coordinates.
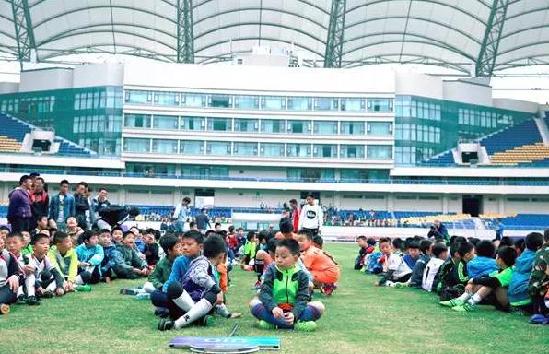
(359, 318)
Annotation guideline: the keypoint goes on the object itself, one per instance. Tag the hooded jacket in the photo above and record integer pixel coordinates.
(518, 288)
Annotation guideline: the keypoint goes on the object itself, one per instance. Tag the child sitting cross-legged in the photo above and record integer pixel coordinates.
(47, 279)
(430, 275)
(63, 257)
(425, 255)
(395, 271)
(323, 268)
(492, 288)
(452, 275)
(284, 296)
(131, 265)
(9, 279)
(483, 263)
(90, 255)
(365, 249)
(202, 286)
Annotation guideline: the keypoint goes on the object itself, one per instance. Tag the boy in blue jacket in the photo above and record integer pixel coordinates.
(484, 262)
(518, 288)
(90, 255)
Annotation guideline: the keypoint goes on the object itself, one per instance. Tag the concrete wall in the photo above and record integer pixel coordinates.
(416, 84)
(109, 74)
(46, 79)
(463, 91)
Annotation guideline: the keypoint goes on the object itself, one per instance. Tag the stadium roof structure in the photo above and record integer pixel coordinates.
(487, 35)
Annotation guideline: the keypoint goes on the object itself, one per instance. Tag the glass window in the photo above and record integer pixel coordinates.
(136, 145)
(166, 98)
(325, 128)
(137, 96)
(325, 151)
(194, 100)
(219, 148)
(272, 150)
(193, 123)
(246, 102)
(246, 125)
(272, 126)
(273, 103)
(326, 104)
(351, 151)
(353, 104)
(298, 150)
(219, 124)
(352, 128)
(164, 146)
(165, 122)
(354, 175)
(220, 101)
(299, 127)
(379, 152)
(245, 149)
(192, 147)
(381, 105)
(380, 129)
(299, 103)
(137, 120)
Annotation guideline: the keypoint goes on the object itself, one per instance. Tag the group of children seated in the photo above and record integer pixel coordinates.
(512, 276)
(52, 263)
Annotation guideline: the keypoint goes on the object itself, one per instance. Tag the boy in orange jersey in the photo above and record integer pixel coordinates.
(323, 268)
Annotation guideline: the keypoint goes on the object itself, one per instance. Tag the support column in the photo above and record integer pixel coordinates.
(501, 204)
(390, 202)
(445, 202)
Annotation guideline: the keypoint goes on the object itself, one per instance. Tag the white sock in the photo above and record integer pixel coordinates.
(475, 299)
(148, 287)
(464, 297)
(51, 287)
(200, 309)
(20, 291)
(184, 302)
(78, 280)
(30, 281)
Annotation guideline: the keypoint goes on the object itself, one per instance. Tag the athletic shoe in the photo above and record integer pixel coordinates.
(328, 289)
(538, 318)
(22, 299)
(4, 309)
(306, 326)
(208, 321)
(401, 285)
(451, 303)
(265, 325)
(466, 307)
(129, 292)
(143, 296)
(84, 288)
(48, 294)
(32, 300)
(165, 324)
(162, 313)
(389, 284)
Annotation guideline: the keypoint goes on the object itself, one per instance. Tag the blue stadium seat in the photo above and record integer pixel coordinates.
(525, 133)
(13, 128)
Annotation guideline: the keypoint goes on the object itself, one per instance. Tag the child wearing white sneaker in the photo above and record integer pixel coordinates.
(494, 285)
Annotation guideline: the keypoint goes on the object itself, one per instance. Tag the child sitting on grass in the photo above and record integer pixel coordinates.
(151, 247)
(250, 249)
(452, 275)
(47, 280)
(430, 278)
(9, 278)
(90, 255)
(284, 296)
(518, 287)
(111, 256)
(202, 285)
(494, 285)
(417, 273)
(365, 248)
(412, 253)
(538, 286)
(63, 257)
(484, 262)
(322, 267)
(14, 245)
(395, 270)
(132, 265)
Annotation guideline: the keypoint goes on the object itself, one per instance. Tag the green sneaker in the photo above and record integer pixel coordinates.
(84, 288)
(208, 321)
(307, 326)
(465, 307)
(452, 303)
(265, 325)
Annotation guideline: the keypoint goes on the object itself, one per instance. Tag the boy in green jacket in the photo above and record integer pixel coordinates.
(63, 257)
(133, 266)
(284, 296)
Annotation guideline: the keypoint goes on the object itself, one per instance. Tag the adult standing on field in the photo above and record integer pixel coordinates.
(311, 217)
(181, 214)
(101, 201)
(202, 220)
(62, 206)
(19, 207)
(294, 214)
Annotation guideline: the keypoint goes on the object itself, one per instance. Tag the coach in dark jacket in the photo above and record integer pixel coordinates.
(19, 207)
(40, 201)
